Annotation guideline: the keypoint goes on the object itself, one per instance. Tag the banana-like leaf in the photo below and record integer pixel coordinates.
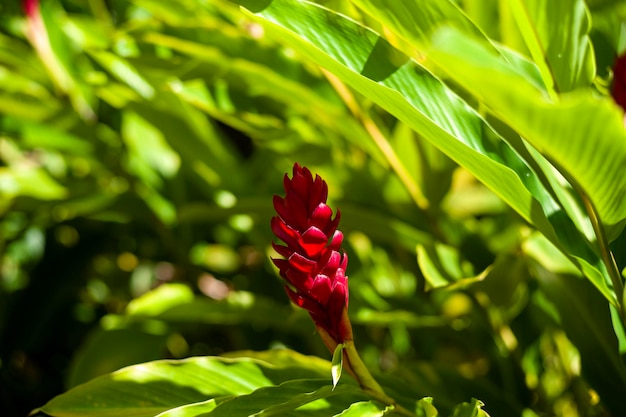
(212, 385)
(582, 134)
(370, 65)
(373, 67)
(555, 33)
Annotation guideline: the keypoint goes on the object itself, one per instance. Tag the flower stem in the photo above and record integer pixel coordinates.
(367, 381)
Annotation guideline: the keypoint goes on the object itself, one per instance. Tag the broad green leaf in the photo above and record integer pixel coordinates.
(151, 388)
(371, 66)
(416, 23)
(561, 131)
(107, 350)
(284, 399)
(555, 33)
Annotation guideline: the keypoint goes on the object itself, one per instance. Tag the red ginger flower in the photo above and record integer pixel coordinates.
(618, 90)
(314, 265)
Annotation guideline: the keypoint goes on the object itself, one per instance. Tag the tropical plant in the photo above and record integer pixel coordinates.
(473, 149)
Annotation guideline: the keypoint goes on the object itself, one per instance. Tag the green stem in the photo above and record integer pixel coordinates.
(367, 381)
(606, 254)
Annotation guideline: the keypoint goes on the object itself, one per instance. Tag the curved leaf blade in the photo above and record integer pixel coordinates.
(555, 33)
(369, 64)
(284, 399)
(155, 387)
(373, 67)
(583, 134)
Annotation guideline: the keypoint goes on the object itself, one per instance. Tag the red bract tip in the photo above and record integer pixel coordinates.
(314, 264)
(30, 7)
(618, 90)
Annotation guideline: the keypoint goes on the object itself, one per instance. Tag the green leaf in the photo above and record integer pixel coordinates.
(160, 300)
(29, 181)
(107, 350)
(151, 388)
(149, 152)
(46, 137)
(561, 131)
(370, 65)
(442, 266)
(53, 48)
(124, 71)
(284, 399)
(471, 409)
(555, 33)
(362, 409)
(374, 68)
(416, 23)
(238, 308)
(425, 408)
(191, 410)
(337, 364)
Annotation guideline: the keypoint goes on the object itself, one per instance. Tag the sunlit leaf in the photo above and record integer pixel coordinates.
(285, 398)
(337, 364)
(363, 408)
(155, 387)
(471, 409)
(125, 72)
(561, 131)
(29, 181)
(426, 408)
(442, 265)
(160, 300)
(432, 110)
(555, 33)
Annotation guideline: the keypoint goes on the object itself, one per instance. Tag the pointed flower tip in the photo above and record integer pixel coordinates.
(315, 264)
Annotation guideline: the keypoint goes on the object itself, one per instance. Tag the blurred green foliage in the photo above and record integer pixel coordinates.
(140, 145)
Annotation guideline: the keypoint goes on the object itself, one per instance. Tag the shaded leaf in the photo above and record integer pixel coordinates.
(586, 319)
